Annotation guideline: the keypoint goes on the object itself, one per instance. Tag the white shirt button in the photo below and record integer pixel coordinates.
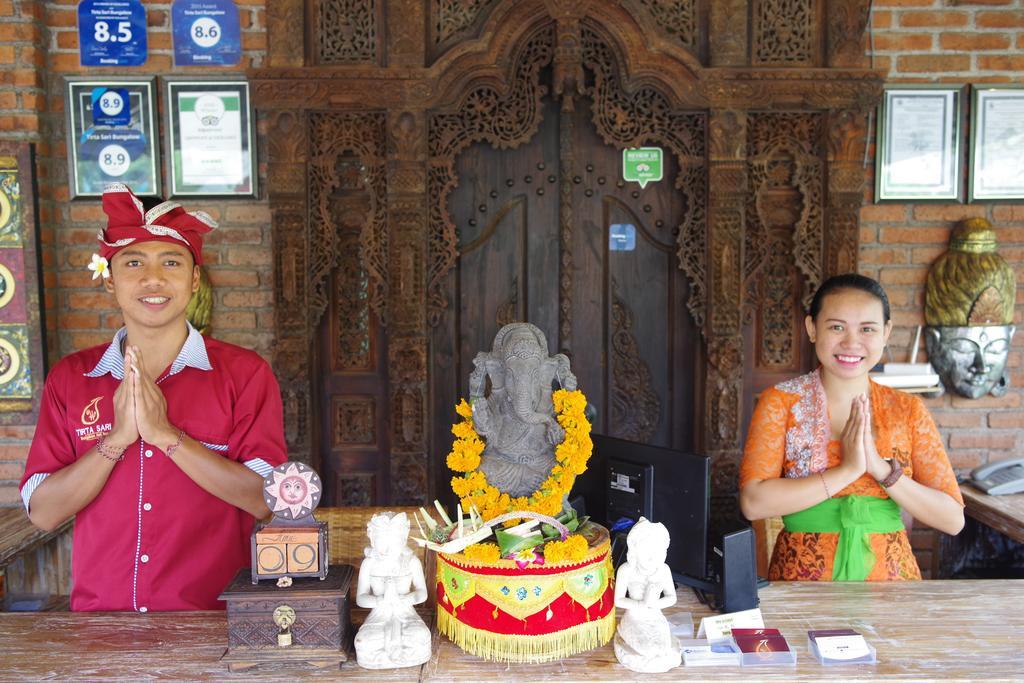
(149, 453)
(144, 558)
(143, 609)
(147, 507)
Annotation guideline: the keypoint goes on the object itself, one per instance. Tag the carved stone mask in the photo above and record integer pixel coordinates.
(971, 360)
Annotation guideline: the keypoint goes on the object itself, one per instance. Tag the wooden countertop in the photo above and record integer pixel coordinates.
(949, 630)
(1005, 514)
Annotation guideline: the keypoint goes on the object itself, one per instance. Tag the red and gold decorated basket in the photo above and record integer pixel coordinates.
(538, 613)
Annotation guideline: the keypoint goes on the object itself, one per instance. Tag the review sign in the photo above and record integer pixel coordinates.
(206, 33)
(642, 165)
(112, 33)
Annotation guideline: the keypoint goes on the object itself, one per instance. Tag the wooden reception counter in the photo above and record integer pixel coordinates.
(948, 630)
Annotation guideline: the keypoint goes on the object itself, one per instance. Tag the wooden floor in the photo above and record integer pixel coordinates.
(937, 630)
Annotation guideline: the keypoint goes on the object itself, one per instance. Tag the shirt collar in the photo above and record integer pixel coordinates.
(192, 354)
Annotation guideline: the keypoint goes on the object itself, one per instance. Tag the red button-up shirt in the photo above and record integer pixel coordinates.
(153, 539)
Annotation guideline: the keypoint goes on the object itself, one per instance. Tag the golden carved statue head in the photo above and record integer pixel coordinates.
(970, 284)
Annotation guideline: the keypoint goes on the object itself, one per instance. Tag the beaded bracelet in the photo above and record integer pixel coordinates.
(109, 452)
(174, 446)
(828, 494)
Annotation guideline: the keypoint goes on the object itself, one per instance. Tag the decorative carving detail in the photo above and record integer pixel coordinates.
(727, 32)
(725, 382)
(846, 135)
(284, 43)
(357, 490)
(354, 421)
(295, 398)
(635, 408)
(452, 17)
(353, 346)
(725, 476)
(630, 117)
(346, 31)
(484, 114)
(728, 134)
(784, 32)
(407, 417)
(508, 312)
(567, 156)
(286, 138)
(847, 20)
(408, 359)
(290, 272)
(307, 632)
(783, 152)
(409, 484)
(405, 135)
(678, 18)
(334, 135)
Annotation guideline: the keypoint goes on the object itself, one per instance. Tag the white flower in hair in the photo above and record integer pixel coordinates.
(99, 267)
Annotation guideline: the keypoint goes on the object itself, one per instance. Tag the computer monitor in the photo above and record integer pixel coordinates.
(679, 487)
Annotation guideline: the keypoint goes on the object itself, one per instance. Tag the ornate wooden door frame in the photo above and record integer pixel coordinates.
(395, 87)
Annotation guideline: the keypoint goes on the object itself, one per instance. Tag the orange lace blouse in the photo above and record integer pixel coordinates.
(784, 440)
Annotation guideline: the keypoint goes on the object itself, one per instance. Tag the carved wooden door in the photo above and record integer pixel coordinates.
(548, 233)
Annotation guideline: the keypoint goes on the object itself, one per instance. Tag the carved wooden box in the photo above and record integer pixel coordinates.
(307, 622)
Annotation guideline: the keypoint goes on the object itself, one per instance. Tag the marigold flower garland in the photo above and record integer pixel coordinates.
(571, 455)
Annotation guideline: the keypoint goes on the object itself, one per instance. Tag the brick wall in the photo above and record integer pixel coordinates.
(948, 41)
(38, 47)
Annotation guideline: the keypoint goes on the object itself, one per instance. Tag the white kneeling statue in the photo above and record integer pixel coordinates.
(390, 583)
(643, 587)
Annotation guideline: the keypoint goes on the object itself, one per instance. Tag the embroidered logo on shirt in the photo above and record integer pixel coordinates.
(91, 431)
(91, 412)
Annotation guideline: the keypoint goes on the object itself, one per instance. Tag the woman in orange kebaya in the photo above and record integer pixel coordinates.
(837, 456)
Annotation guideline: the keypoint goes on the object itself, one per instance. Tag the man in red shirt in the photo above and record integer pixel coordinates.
(159, 441)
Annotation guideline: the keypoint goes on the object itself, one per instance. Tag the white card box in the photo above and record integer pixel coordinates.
(812, 648)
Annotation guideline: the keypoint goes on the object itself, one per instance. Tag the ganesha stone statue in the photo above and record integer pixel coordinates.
(513, 411)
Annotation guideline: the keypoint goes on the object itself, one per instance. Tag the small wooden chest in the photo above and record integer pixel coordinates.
(312, 614)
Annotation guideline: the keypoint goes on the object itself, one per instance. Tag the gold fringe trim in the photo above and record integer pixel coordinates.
(527, 649)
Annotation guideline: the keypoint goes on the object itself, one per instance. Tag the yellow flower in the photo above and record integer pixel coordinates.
(464, 429)
(483, 552)
(463, 408)
(572, 549)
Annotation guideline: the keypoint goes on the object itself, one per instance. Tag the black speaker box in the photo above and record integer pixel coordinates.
(738, 587)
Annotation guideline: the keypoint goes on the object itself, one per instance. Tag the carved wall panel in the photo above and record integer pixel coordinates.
(678, 18)
(347, 31)
(453, 20)
(727, 32)
(286, 46)
(785, 32)
(786, 188)
(354, 420)
(362, 137)
(357, 490)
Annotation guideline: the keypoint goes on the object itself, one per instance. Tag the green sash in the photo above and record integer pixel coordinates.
(853, 518)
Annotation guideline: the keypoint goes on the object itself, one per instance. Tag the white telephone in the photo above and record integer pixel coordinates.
(1006, 476)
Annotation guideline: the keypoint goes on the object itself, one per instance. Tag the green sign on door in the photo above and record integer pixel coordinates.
(641, 165)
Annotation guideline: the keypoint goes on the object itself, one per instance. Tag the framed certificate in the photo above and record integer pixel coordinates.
(918, 152)
(210, 138)
(112, 135)
(997, 143)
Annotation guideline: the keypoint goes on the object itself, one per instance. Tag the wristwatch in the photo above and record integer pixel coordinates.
(894, 474)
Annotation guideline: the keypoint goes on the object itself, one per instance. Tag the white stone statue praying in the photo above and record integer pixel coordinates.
(390, 583)
(643, 588)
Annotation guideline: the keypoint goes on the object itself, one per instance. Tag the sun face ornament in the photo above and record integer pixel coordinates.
(292, 491)
(293, 543)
